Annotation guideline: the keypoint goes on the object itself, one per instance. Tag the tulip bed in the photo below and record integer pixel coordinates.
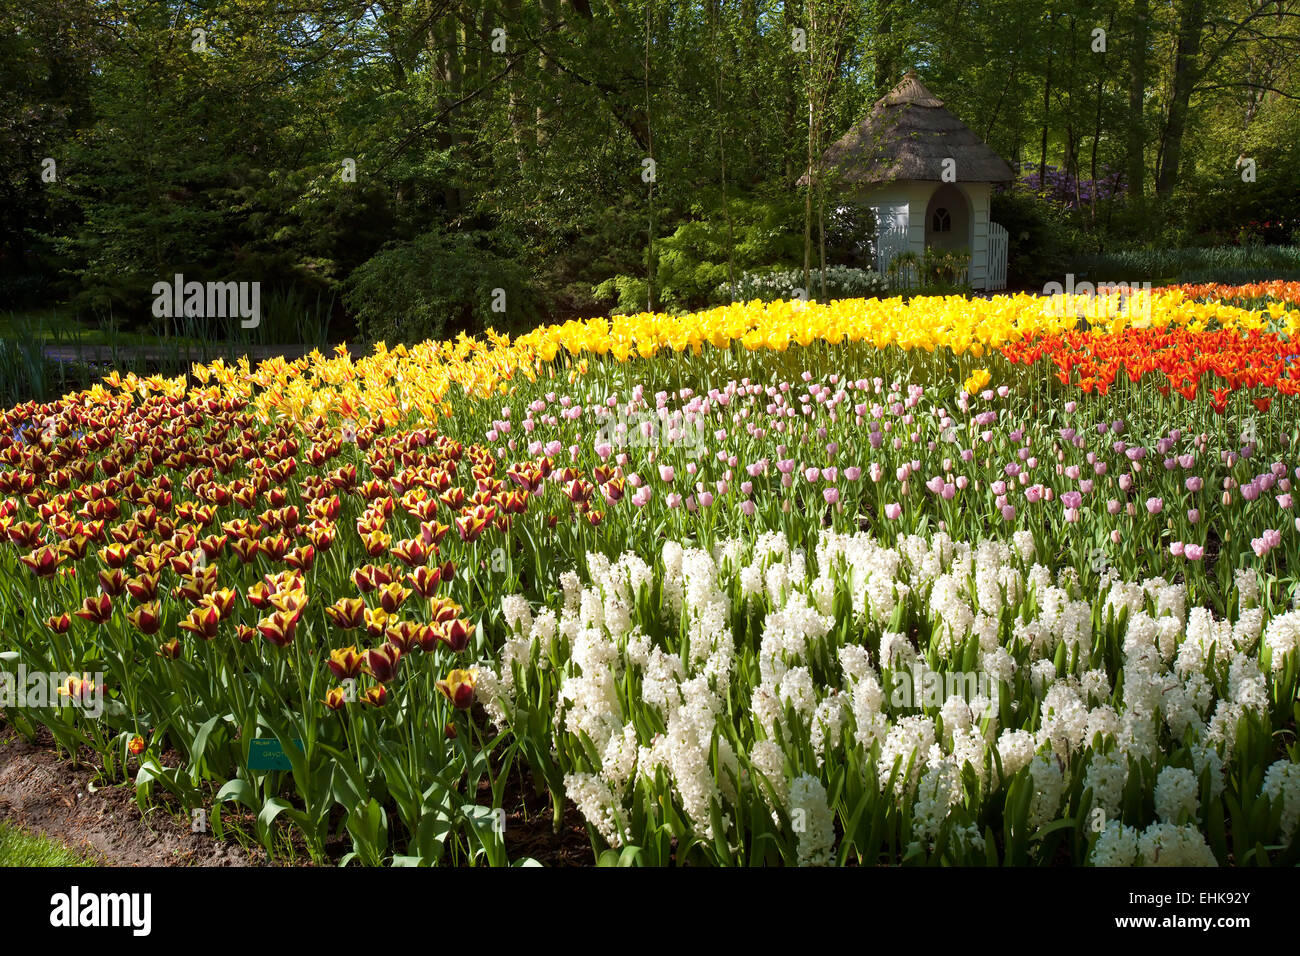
(942, 581)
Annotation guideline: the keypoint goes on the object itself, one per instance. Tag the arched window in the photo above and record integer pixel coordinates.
(942, 221)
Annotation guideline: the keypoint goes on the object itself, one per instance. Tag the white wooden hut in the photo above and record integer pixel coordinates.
(928, 179)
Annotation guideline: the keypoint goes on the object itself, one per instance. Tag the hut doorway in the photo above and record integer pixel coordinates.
(948, 219)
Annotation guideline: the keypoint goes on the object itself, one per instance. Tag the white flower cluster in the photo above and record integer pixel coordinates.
(760, 698)
(812, 821)
(1282, 785)
(1160, 844)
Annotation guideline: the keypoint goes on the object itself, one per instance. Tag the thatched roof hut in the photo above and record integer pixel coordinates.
(927, 177)
(907, 135)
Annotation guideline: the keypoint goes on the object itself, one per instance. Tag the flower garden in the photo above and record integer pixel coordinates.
(942, 581)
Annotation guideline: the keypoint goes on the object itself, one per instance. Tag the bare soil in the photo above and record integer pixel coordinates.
(44, 793)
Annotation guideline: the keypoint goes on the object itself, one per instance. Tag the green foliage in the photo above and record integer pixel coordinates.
(630, 294)
(1217, 264)
(230, 163)
(851, 235)
(945, 268)
(703, 254)
(903, 270)
(1042, 242)
(437, 284)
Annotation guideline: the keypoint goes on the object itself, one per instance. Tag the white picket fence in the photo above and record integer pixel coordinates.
(889, 243)
(997, 276)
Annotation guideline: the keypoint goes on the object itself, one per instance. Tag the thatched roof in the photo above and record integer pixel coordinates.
(907, 136)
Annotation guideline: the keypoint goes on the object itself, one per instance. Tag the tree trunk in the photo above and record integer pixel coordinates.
(886, 66)
(550, 18)
(1190, 22)
(524, 138)
(1047, 112)
(1137, 91)
(807, 202)
(821, 239)
(719, 53)
(652, 224)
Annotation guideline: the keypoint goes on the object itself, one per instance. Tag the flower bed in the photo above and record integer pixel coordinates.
(875, 581)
